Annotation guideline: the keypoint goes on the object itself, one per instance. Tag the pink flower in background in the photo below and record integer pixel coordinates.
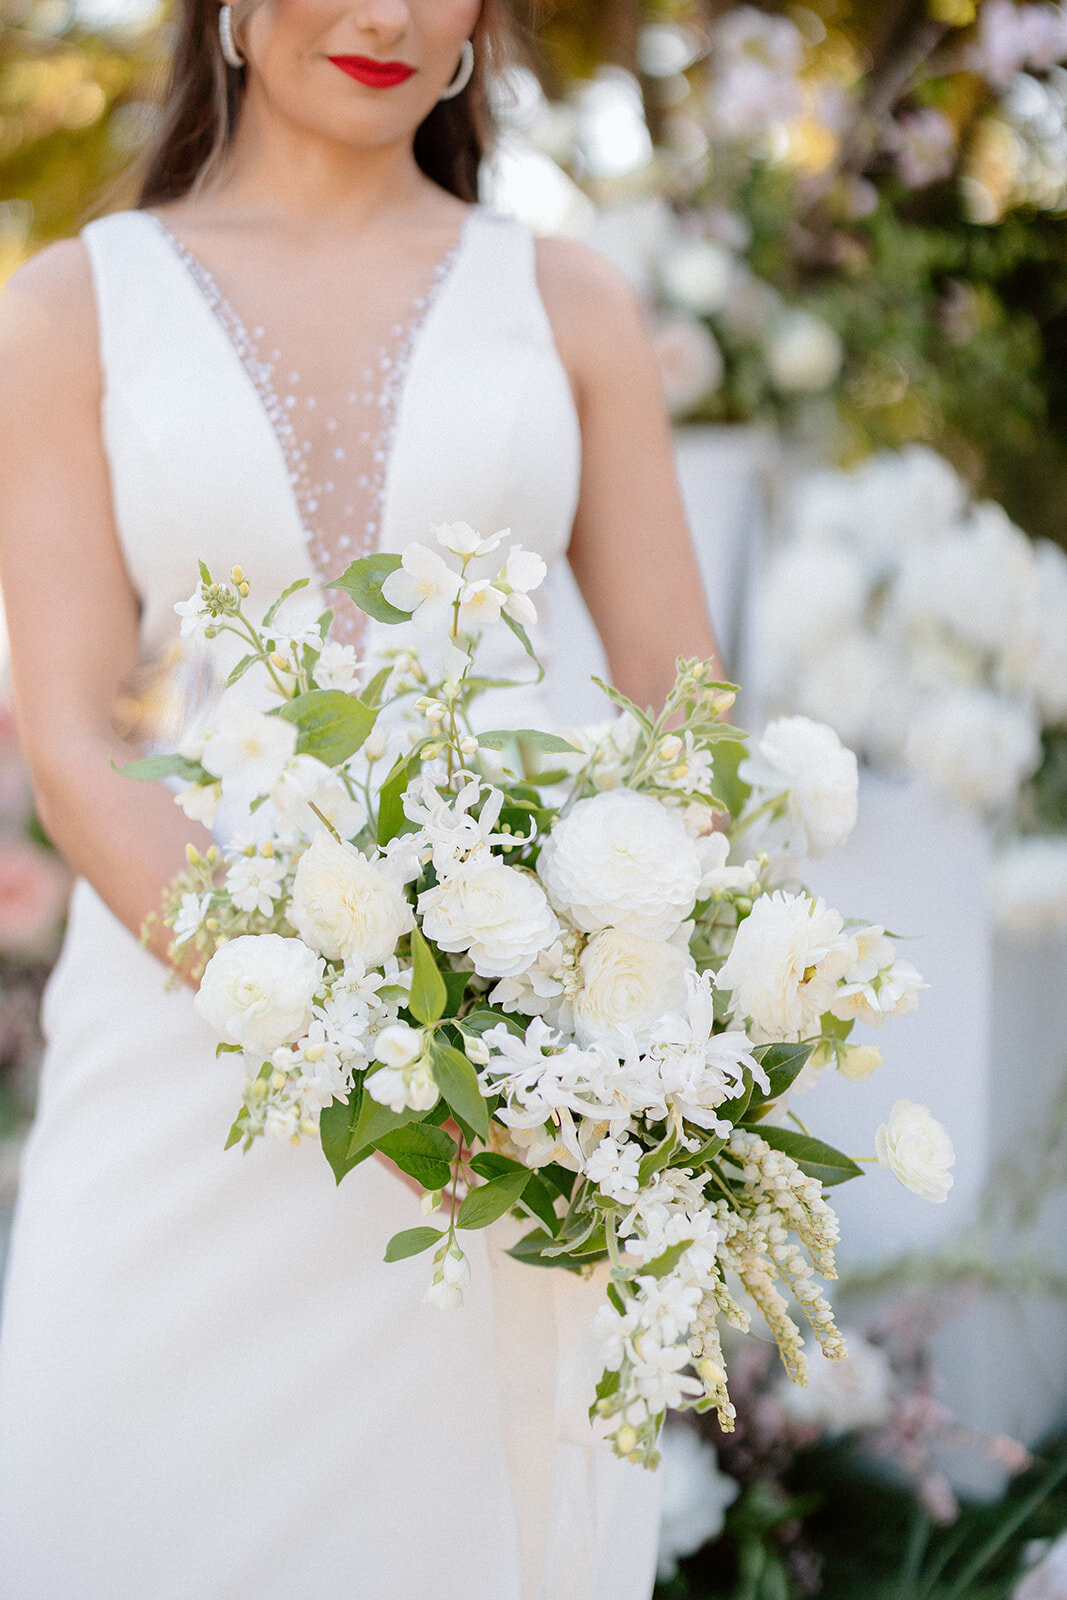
(1011, 37)
(924, 144)
(34, 886)
(16, 799)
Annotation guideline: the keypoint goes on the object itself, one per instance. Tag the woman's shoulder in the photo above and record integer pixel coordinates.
(48, 316)
(593, 310)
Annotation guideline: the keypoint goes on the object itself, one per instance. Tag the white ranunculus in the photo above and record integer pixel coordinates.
(498, 915)
(694, 1496)
(974, 747)
(1028, 887)
(698, 276)
(345, 906)
(257, 991)
(788, 957)
(842, 1396)
(808, 761)
(247, 750)
(803, 353)
(915, 1148)
(628, 985)
(425, 586)
(690, 362)
(622, 860)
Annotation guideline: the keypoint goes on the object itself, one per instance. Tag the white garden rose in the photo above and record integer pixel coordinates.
(628, 985)
(803, 352)
(915, 1148)
(622, 860)
(788, 957)
(808, 761)
(494, 912)
(257, 991)
(345, 906)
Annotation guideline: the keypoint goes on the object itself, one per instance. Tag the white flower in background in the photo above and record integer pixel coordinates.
(694, 1497)
(974, 747)
(257, 991)
(807, 761)
(804, 354)
(1034, 660)
(1028, 886)
(813, 594)
(1011, 37)
(788, 956)
(200, 802)
(247, 750)
(622, 860)
(854, 685)
(191, 913)
(425, 586)
(1048, 1579)
(758, 59)
(296, 622)
(255, 883)
(980, 581)
(337, 666)
(345, 906)
(613, 1168)
(691, 364)
(886, 507)
(634, 237)
(842, 1396)
(698, 276)
(496, 914)
(915, 1148)
(924, 145)
(305, 782)
(460, 539)
(627, 985)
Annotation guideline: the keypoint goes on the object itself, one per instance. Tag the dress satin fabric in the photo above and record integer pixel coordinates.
(211, 1385)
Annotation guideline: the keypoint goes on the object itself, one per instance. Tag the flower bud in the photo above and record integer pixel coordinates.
(711, 1373)
(308, 1128)
(277, 1080)
(858, 1061)
(670, 749)
(315, 1052)
(192, 855)
(626, 1439)
(267, 849)
(468, 746)
(476, 1050)
(236, 575)
(279, 661)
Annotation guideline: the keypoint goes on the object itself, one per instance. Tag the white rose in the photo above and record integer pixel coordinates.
(628, 985)
(494, 912)
(257, 990)
(804, 354)
(783, 970)
(915, 1148)
(809, 762)
(622, 860)
(345, 906)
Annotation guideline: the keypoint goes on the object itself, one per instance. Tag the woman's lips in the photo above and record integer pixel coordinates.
(375, 74)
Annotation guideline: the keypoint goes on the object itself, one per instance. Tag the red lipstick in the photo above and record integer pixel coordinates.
(375, 74)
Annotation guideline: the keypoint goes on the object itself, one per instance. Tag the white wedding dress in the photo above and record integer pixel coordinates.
(211, 1386)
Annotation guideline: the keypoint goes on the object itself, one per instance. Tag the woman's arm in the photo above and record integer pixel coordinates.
(71, 609)
(630, 550)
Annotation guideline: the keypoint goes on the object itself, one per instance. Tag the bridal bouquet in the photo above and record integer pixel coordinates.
(571, 979)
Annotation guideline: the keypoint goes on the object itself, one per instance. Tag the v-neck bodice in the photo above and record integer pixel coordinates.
(484, 427)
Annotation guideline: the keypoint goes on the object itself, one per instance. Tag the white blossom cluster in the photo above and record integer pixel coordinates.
(927, 630)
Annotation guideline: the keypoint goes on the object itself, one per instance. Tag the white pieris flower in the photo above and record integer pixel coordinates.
(622, 860)
(803, 353)
(257, 991)
(337, 666)
(494, 912)
(425, 586)
(627, 985)
(255, 882)
(915, 1148)
(808, 762)
(694, 1496)
(191, 913)
(460, 539)
(691, 365)
(247, 750)
(346, 906)
(788, 957)
(613, 1168)
(200, 802)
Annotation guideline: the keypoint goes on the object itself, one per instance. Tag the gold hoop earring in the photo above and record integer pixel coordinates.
(463, 73)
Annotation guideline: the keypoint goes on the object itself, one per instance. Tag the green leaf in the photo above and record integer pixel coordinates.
(483, 1205)
(624, 704)
(538, 1199)
(666, 1262)
(700, 1158)
(391, 818)
(783, 1064)
(532, 1248)
(272, 612)
(458, 1082)
(429, 996)
(237, 1132)
(488, 1164)
(655, 1160)
(372, 694)
(363, 582)
(546, 743)
(241, 668)
(479, 1022)
(174, 766)
(336, 1126)
(412, 1242)
(205, 576)
(812, 1156)
(425, 1153)
(524, 639)
(333, 725)
(375, 1122)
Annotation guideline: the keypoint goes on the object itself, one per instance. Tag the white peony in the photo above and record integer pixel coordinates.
(628, 984)
(915, 1148)
(494, 912)
(622, 860)
(690, 362)
(1028, 887)
(803, 353)
(345, 906)
(247, 750)
(257, 991)
(694, 1496)
(974, 747)
(808, 761)
(788, 957)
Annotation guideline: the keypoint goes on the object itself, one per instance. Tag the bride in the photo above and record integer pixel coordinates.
(306, 341)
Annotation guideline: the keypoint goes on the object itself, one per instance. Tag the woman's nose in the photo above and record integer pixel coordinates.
(388, 19)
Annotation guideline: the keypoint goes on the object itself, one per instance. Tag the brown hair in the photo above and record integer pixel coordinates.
(202, 103)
